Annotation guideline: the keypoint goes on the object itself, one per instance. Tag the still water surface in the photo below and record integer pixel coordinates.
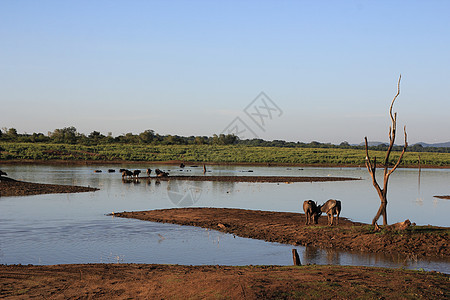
(74, 228)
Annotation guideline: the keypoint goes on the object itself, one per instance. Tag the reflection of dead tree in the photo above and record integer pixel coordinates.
(371, 165)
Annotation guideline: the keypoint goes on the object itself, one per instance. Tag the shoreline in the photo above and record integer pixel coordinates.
(261, 179)
(290, 228)
(177, 162)
(11, 188)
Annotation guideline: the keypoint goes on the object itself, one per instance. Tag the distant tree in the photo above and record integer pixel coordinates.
(200, 140)
(230, 139)
(66, 135)
(129, 138)
(371, 165)
(38, 138)
(12, 132)
(95, 137)
(172, 140)
(147, 136)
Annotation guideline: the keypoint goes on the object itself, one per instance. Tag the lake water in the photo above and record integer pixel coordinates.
(74, 228)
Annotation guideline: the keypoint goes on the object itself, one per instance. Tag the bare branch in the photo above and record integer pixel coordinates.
(393, 100)
(392, 130)
(401, 155)
(372, 168)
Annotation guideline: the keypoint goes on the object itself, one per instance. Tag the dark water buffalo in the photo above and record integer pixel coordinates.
(312, 211)
(160, 173)
(136, 173)
(332, 207)
(149, 171)
(126, 173)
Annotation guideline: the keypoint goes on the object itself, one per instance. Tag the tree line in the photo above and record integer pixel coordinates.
(70, 135)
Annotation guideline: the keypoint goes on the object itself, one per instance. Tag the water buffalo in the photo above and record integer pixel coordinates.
(332, 207)
(136, 173)
(312, 211)
(149, 171)
(126, 173)
(160, 173)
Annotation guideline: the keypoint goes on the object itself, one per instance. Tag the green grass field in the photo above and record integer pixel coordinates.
(209, 154)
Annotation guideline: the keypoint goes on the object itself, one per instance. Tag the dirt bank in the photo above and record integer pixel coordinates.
(137, 281)
(289, 228)
(11, 187)
(285, 179)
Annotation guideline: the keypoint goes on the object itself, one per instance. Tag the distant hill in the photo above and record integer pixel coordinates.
(372, 144)
(447, 144)
(436, 145)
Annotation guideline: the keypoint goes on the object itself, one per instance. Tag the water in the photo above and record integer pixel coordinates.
(74, 228)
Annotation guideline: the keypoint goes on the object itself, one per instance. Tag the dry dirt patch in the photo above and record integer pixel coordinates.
(138, 281)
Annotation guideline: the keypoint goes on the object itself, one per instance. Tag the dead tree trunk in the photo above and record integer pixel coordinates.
(372, 165)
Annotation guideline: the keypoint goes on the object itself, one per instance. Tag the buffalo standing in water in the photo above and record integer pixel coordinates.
(160, 173)
(126, 173)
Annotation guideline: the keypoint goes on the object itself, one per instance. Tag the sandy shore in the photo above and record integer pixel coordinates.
(290, 228)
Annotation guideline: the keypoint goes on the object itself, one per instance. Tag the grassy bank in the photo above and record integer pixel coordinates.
(208, 154)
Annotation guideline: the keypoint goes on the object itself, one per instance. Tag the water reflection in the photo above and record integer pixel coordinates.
(184, 193)
(314, 255)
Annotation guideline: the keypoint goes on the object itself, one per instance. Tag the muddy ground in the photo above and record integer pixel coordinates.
(11, 187)
(138, 281)
(273, 179)
(443, 197)
(290, 228)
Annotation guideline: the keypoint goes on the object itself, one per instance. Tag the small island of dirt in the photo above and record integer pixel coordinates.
(290, 228)
(12, 187)
(266, 179)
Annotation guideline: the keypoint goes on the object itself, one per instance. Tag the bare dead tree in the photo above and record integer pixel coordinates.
(372, 165)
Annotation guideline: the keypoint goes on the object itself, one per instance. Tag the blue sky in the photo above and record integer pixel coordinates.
(192, 67)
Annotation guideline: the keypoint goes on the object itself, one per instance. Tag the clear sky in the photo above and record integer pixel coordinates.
(193, 67)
